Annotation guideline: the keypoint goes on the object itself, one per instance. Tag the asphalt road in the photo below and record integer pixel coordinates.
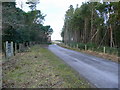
(99, 72)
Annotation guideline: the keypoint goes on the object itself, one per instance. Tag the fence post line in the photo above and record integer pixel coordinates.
(104, 49)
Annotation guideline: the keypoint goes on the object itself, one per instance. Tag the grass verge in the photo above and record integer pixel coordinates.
(113, 58)
(39, 68)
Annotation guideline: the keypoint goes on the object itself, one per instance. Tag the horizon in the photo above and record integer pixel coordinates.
(53, 8)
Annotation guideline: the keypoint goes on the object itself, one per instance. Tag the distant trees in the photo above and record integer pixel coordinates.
(20, 27)
(93, 22)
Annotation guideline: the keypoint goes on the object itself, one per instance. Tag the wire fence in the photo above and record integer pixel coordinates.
(93, 47)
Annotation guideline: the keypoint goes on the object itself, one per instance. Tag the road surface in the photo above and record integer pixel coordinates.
(99, 72)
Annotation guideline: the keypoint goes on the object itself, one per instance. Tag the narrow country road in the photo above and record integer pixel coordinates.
(101, 73)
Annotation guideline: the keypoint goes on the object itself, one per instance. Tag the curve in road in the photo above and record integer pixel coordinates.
(100, 72)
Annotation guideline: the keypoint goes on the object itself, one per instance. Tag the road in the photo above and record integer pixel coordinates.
(99, 72)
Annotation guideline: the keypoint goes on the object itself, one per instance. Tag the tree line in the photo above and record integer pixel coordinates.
(93, 22)
(19, 26)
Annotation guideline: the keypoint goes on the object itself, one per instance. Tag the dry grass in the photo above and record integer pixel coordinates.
(102, 55)
(39, 68)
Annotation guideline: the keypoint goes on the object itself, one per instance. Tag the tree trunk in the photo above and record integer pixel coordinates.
(85, 32)
(111, 36)
(91, 33)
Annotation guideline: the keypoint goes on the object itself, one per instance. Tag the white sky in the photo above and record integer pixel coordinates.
(55, 11)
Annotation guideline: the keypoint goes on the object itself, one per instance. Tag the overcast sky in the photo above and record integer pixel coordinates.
(55, 11)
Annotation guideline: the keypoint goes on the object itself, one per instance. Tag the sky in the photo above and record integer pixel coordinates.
(55, 12)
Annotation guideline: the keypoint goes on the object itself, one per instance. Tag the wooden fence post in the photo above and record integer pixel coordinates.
(9, 49)
(12, 49)
(15, 48)
(77, 45)
(104, 49)
(20, 46)
(85, 47)
(6, 49)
